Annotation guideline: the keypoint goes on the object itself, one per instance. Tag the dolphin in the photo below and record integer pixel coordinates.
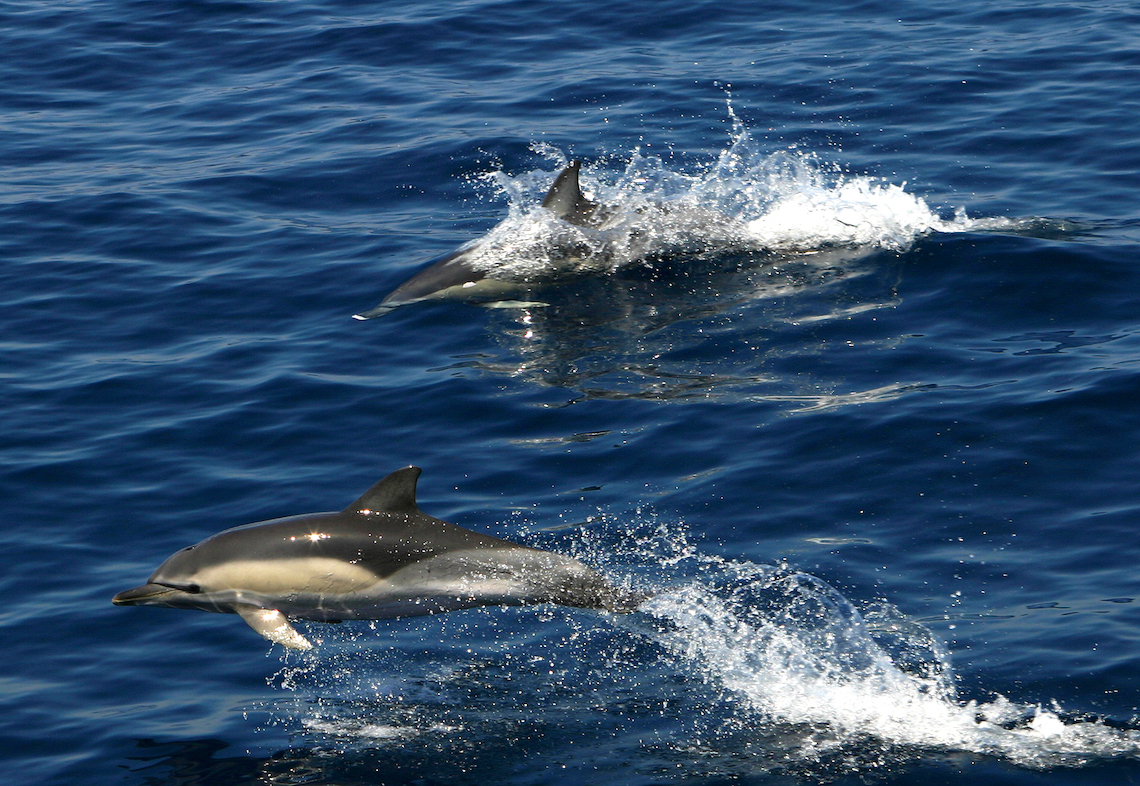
(453, 275)
(379, 558)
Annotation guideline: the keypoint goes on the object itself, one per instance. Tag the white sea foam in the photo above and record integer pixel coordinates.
(858, 212)
(791, 650)
(794, 667)
(749, 201)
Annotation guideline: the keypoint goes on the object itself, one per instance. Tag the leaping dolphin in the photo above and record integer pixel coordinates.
(453, 275)
(379, 558)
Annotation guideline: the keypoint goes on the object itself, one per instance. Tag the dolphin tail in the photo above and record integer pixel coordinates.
(272, 624)
(621, 601)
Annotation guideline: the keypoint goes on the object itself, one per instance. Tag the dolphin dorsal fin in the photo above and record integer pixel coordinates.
(394, 494)
(565, 199)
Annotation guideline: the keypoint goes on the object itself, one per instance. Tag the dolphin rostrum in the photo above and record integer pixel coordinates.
(454, 275)
(379, 558)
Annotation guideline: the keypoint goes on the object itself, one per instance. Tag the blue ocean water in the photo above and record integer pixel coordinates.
(859, 404)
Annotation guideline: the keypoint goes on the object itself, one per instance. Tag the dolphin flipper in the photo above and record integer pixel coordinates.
(272, 624)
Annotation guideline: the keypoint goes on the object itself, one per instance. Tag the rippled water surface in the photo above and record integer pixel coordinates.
(847, 381)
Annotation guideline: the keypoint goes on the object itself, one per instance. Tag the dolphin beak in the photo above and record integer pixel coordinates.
(141, 596)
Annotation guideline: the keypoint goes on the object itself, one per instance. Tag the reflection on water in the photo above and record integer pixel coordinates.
(733, 669)
(716, 327)
(725, 283)
(193, 763)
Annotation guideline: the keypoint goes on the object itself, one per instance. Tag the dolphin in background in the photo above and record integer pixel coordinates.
(379, 558)
(453, 275)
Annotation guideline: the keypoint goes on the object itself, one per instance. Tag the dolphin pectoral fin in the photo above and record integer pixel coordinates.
(272, 624)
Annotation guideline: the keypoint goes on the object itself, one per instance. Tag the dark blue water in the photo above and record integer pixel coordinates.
(865, 413)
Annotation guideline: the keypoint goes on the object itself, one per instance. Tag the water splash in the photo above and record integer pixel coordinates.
(753, 244)
(748, 202)
(761, 664)
(792, 651)
(812, 678)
